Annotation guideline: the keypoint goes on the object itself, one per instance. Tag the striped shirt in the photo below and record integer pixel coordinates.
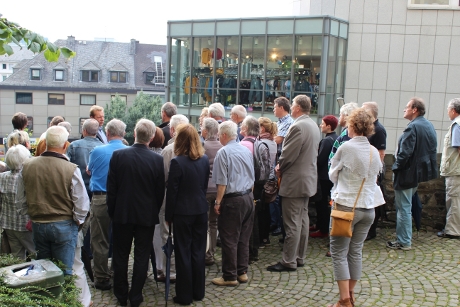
(343, 137)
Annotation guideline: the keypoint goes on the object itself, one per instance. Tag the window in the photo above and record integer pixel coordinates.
(4, 77)
(88, 99)
(30, 123)
(35, 74)
(149, 76)
(56, 99)
(58, 75)
(90, 75)
(122, 97)
(118, 76)
(4, 66)
(24, 98)
(433, 4)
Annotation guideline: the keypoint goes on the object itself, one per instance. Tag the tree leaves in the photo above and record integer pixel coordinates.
(11, 32)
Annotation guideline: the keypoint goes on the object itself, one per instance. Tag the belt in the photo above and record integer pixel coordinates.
(99, 193)
(235, 194)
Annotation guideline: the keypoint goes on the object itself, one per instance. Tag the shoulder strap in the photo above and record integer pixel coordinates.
(364, 179)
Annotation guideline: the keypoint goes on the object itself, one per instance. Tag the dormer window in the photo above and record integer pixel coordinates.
(118, 76)
(58, 75)
(35, 74)
(90, 75)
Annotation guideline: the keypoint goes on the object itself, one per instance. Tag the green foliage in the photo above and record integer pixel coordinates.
(11, 32)
(144, 106)
(26, 296)
(116, 109)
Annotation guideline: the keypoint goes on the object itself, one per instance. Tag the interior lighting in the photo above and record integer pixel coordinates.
(277, 41)
(209, 42)
(247, 57)
(256, 41)
(274, 56)
(228, 55)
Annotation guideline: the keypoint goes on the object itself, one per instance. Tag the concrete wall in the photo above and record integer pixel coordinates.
(395, 53)
(40, 110)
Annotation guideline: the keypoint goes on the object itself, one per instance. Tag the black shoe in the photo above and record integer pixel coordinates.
(279, 268)
(276, 232)
(300, 265)
(177, 301)
(442, 234)
(103, 284)
(281, 240)
(123, 302)
(371, 236)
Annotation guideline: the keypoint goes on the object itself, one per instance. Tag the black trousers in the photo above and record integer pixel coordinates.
(123, 235)
(323, 210)
(378, 214)
(190, 235)
(254, 240)
(235, 227)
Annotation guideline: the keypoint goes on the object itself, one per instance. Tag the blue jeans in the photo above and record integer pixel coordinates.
(56, 240)
(403, 204)
(275, 212)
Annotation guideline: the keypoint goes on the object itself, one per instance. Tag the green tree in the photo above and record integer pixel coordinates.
(11, 32)
(116, 109)
(144, 106)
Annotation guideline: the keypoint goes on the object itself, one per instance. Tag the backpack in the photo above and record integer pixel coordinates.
(261, 160)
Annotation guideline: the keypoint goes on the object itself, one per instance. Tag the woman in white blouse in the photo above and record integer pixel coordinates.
(354, 161)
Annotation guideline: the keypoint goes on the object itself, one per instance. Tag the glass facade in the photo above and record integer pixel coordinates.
(251, 62)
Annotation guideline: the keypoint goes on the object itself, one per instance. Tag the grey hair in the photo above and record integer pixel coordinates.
(211, 126)
(145, 131)
(178, 119)
(240, 111)
(304, 102)
(91, 126)
(252, 125)
(116, 127)
(17, 137)
(56, 137)
(373, 107)
(228, 128)
(16, 156)
(216, 110)
(169, 108)
(347, 108)
(66, 125)
(454, 104)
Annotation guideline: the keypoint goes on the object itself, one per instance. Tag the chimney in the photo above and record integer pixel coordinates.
(132, 48)
(71, 42)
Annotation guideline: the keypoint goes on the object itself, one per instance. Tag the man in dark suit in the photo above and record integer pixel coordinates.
(97, 112)
(168, 110)
(135, 191)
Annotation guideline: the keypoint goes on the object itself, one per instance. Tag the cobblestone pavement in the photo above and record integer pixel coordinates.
(427, 275)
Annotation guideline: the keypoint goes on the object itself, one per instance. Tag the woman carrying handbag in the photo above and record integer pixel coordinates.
(354, 170)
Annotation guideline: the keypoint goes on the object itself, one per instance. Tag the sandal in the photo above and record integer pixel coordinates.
(352, 298)
(342, 303)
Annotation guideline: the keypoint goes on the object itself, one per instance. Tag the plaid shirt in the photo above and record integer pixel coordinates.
(283, 126)
(13, 205)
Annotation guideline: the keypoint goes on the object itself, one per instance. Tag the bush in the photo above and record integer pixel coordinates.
(21, 298)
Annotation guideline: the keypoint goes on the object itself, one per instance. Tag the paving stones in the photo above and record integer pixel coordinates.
(427, 275)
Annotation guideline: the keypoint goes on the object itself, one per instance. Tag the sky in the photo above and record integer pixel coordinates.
(145, 21)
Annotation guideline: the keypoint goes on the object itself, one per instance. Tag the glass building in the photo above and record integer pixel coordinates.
(253, 61)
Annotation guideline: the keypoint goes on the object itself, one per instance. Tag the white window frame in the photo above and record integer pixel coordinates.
(453, 5)
(35, 77)
(55, 74)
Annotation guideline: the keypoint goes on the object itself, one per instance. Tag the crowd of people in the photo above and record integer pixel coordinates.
(92, 198)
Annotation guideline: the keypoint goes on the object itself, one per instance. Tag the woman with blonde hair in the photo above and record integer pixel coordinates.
(354, 170)
(268, 132)
(18, 137)
(187, 209)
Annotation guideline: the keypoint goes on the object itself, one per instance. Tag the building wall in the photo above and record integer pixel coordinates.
(395, 53)
(40, 110)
